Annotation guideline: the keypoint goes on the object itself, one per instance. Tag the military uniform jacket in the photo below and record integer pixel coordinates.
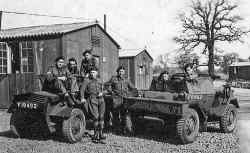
(160, 85)
(59, 72)
(120, 86)
(86, 66)
(73, 71)
(91, 90)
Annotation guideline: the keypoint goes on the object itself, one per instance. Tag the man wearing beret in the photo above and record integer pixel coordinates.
(92, 93)
(88, 62)
(58, 76)
(119, 87)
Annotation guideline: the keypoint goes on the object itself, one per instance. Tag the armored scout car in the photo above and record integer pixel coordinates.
(46, 112)
(188, 108)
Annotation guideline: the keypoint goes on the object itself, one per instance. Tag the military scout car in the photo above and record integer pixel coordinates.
(188, 108)
(46, 112)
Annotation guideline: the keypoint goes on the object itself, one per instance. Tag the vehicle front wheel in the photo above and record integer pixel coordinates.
(74, 127)
(18, 125)
(228, 120)
(188, 126)
(129, 127)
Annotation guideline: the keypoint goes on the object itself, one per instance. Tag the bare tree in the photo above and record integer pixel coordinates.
(209, 22)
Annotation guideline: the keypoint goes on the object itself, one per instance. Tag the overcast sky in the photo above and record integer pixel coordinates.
(133, 23)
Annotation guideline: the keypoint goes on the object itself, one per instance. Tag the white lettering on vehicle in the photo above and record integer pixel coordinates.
(194, 97)
(27, 105)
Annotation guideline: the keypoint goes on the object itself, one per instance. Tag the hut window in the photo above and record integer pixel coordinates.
(27, 56)
(3, 58)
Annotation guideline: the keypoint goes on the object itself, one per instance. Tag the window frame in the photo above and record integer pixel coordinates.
(28, 50)
(2, 58)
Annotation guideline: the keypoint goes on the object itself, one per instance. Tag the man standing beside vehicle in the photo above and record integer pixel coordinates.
(119, 87)
(92, 93)
(88, 62)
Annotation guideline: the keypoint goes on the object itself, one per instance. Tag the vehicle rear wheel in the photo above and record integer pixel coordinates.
(228, 120)
(74, 127)
(188, 126)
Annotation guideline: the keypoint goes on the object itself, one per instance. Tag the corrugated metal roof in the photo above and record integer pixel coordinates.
(48, 30)
(241, 64)
(129, 53)
(42, 30)
(132, 53)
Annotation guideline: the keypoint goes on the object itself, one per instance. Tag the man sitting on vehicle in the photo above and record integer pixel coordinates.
(191, 74)
(58, 76)
(88, 62)
(72, 67)
(161, 83)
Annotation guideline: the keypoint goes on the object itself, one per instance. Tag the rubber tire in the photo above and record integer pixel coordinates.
(17, 124)
(223, 120)
(67, 126)
(180, 125)
(129, 126)
(24, 126)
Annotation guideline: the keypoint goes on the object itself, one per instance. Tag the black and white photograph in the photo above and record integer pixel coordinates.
(134, 76)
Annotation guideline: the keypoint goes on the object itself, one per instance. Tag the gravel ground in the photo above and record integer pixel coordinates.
(207, 142)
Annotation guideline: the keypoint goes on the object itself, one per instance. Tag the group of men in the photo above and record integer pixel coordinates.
(64, 79)
(163, 82)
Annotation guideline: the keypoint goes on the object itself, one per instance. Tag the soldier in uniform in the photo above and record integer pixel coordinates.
(72, 67)
(92, 93)
(88, 62)
(58, 76)
(191, 74)
(119, 87)
(161, 83)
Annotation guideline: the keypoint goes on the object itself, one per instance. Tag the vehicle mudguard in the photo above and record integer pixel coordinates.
(60, 111)
(235, 102)
(12, 108)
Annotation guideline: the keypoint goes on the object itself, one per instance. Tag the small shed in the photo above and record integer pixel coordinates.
(239, 71)
(138, 65)
(28, 51)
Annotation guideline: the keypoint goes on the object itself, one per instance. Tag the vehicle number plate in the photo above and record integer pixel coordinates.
(27, 105)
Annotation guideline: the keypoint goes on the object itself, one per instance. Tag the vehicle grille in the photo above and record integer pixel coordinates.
(38, 98)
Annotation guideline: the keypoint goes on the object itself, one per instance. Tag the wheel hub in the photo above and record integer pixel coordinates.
(231, 118)
(76, 125)
(190, 126)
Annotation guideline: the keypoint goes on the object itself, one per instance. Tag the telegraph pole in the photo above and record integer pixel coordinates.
(105, 22)
(1, 13)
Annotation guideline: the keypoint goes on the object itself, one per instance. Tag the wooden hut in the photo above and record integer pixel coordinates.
(28, 51)
(239, 71)
(138, 64)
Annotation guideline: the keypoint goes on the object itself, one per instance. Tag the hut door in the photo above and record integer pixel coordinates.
(4, 82)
